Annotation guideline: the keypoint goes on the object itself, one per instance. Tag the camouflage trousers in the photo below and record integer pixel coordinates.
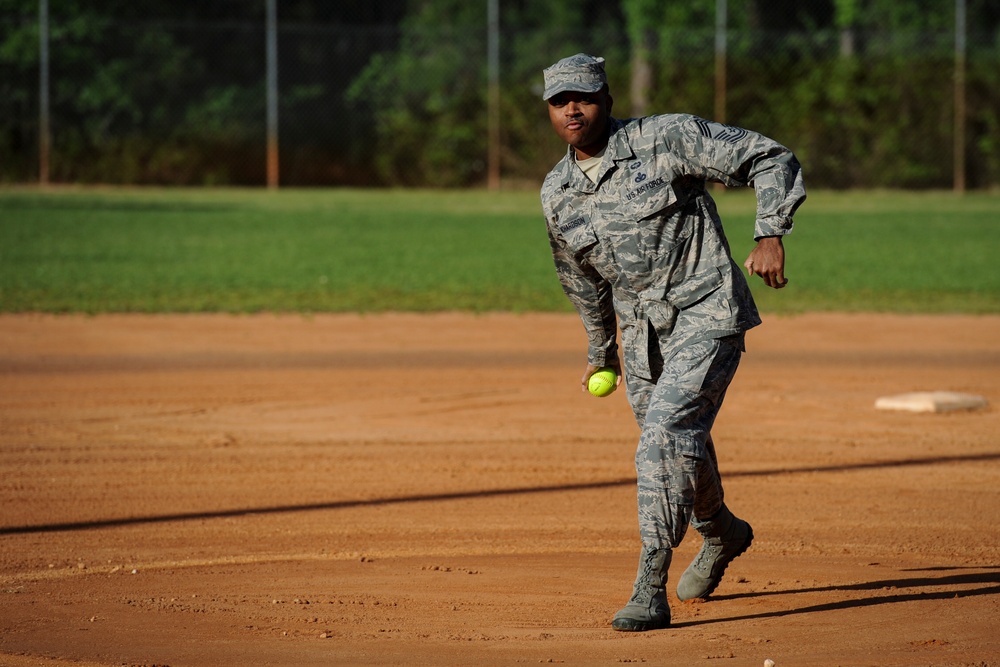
(675, 462)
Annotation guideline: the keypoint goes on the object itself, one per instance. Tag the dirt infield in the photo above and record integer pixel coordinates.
(435, 490)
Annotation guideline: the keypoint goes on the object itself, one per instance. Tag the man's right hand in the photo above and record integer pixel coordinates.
(615, 365)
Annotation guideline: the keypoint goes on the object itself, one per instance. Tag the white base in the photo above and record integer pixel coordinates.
(931, 401)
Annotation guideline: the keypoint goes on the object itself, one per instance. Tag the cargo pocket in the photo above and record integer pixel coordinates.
(695, 288)
(635, 353)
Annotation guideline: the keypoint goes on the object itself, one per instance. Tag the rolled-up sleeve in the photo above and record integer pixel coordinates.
(738, 157)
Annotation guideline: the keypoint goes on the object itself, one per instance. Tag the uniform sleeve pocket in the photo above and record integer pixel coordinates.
(694, 288)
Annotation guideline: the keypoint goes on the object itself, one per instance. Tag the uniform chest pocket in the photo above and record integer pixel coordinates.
(648, 196)
(579, 235)
(661, 220)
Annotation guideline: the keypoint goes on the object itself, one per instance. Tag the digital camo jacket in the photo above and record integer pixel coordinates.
(646, 242)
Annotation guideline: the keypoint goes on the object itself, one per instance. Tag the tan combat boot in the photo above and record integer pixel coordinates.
(726, 537)
(647, 608)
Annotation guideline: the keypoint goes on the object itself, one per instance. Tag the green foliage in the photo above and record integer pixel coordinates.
(875, 110)
(140, 250)
(394, 92)
(127, 98)
(845, 13)
(428, 97)
(848, 85)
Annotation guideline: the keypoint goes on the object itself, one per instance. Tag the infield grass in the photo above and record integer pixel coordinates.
(194, 250)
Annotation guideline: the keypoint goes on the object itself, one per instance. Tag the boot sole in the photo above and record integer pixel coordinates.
(725, 564)
(632, 625)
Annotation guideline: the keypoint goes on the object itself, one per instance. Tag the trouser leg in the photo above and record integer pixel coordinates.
(676, 468)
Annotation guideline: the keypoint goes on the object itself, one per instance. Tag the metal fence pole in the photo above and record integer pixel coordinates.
(44, 116)
(720, 60)
(959, 131)
(493, 102)
(272, 93)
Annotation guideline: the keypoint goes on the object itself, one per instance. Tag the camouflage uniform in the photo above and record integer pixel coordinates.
(643, 249)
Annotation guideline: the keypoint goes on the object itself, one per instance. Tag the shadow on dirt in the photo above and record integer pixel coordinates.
(462, 495)
(988, 583)
(977, 577)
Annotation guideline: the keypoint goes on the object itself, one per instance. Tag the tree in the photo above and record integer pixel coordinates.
(428, 97)
(133, 97)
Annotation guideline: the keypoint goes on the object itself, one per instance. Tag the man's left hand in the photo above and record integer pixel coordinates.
(767, 260)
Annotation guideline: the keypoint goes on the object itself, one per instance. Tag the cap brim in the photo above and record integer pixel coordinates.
(573, 86)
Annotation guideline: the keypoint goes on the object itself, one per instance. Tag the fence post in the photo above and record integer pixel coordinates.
(272, 94)
(721, 21)
(959, 130)
(493, 94)
(44, 116)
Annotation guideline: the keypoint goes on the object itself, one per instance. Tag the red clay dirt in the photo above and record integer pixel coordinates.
(401, 489)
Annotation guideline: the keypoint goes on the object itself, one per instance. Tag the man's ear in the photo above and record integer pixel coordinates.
(611, 102)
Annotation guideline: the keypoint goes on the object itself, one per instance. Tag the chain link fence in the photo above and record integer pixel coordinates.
(395, 93)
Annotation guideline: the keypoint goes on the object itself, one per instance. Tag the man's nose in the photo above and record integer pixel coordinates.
(573, 109)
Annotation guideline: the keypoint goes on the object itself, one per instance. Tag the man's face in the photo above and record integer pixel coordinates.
(581, 120)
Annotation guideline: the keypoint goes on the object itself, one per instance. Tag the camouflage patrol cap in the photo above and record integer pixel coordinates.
(581, 73)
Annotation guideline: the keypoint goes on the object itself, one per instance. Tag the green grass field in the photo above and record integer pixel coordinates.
(194, 250)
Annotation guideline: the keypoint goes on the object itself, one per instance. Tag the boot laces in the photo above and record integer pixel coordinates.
(709, 553)
(647, 583)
